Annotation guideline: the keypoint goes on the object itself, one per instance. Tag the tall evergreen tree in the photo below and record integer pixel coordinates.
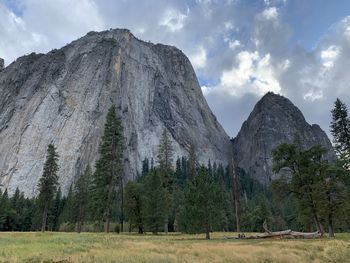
(165, 152)
(6, 219)
(202, 204)
(340, 129)
(81, 197)
(109, 168)
(48, 184)
(68, 209)
(145, 167)
(56, 210)
(134, 204)
(155, 210)
(165, 159)
(192, 163)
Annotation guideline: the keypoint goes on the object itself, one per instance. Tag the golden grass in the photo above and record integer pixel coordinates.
(98, 247)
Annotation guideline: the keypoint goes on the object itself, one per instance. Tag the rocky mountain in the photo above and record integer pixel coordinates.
(274, 120)
(62, 97)
(2, 64)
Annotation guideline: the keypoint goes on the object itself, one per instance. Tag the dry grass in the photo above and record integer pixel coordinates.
(89, 247)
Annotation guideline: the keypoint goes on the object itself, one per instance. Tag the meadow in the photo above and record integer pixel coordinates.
(98, 247)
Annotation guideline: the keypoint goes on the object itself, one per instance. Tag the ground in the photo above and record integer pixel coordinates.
(98, 247)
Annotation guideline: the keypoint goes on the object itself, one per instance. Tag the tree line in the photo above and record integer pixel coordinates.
(310, 193)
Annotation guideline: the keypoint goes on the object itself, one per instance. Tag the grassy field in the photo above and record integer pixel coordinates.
(90, 247)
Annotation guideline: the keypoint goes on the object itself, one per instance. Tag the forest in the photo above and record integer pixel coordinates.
(311, 193)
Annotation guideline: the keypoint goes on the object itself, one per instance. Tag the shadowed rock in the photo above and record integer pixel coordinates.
(273, 121)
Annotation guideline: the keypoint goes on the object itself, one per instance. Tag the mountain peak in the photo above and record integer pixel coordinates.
(274, 120)
(62, 97)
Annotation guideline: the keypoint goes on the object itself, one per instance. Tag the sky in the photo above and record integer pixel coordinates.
(240, 49)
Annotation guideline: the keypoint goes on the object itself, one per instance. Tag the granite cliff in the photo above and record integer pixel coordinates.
(274, 120)
(62, 97)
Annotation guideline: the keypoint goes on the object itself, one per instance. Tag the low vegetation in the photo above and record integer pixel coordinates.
(98, 247)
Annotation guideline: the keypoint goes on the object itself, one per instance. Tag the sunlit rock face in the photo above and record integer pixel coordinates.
(273, 121)
(62, 97)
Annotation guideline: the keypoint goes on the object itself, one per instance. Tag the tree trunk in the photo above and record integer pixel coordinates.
(140, 230)
(207, 231)
(109, 201)
(166, 225)
(44, 219)
(107, 225)
(80, 218)
(318, 225)
(79, 226)
(330, 225)
(122, 207)
(236, 195)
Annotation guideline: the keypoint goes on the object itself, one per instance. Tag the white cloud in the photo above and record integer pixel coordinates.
(199, 59)
(205, 90)
(173, 19)
(45, 25)
(270, 13)
(345, 23)
(274, 2)
(329, 56)
(313, 95)
(233, 44)
(228, 25)
(252, 74)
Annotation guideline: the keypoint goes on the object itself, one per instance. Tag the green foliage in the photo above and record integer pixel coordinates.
(155, 210)
(16, 212)
(48, 183)
(81, 197)
(134, 205)
(165, 153)
(202, 204)
(109, 168)
(67, 214)
(317, 184)
(340, 129)
(145, 167)
(55, 211)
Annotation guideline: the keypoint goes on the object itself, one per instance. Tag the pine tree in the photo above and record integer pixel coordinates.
(81, 197)
(165, 159)
(4, 212)
(145, 167)
(236, 194)
(340, 129)
(155, 210)
(68, 209)
(109, 168)
(48, 184)
(56, 210)
(165, 152)
(202, 204)
(134, 204)
(192, 163)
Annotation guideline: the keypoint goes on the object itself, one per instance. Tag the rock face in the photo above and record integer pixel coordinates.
(2, 64)
(273, 121)
(62, 97)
